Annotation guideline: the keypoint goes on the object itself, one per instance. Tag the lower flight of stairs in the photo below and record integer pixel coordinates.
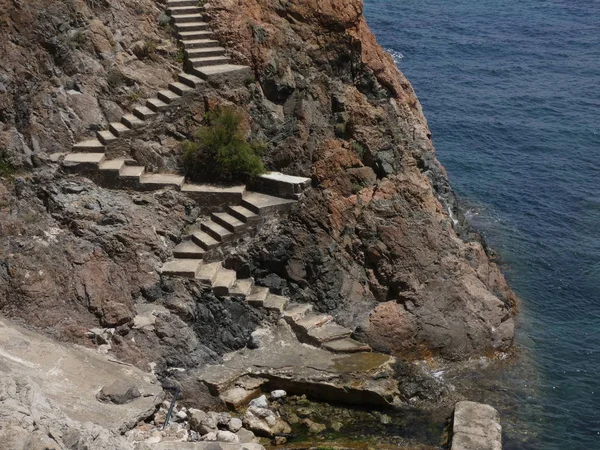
(310, 327)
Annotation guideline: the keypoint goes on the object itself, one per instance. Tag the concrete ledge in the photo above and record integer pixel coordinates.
(476, 426)
(214, 197)
(281, 185)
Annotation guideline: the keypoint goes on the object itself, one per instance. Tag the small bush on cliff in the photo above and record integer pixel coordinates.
(221, 152)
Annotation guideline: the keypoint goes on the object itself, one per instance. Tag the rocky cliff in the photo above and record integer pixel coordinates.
(378, 242)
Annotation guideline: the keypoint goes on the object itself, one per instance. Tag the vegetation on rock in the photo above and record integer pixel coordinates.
(220, 150)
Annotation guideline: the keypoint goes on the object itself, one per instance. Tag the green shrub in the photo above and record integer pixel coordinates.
(115, 79)
(359, 149)
(221, 151)
(7, 170)
(164, 20)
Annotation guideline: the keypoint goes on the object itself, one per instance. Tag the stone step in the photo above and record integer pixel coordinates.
(131, 121)
(218, 232)
(83, 161)
(208, 272)
(329, 332)
(242, 288)
(179, 10)
(119, 129)
(228, 221)
(190, 80)
(346, 345)
(143, 112)
(179, 18)
(262, 203)
(179, 88)
(199, 43)
(244, 214)
(257, 296)
(204, 240)
(181, 267)
(132, 174)
(208, 61)
(216, 195)
(191, 26)
(204, 52)
(181, 3)
(89, 146)
(156, 104)
(275, 303)
(106, 136)
(220, 71)
(168, 96)
(56, 157)
(312, 321)
(188, 249)
(153, 181)
(112, 167)
(282, 185)
(297, 311)
(223, 282)
(200, 34)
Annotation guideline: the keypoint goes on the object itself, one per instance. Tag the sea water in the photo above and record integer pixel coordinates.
(511, 90)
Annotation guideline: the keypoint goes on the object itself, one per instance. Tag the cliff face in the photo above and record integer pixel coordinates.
(375, 242)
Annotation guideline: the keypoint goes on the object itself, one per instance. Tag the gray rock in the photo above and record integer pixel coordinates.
(265, 422)
(235, 425)
(278, 394)
(476, 427)
(246, 436)
(227, 436)
(260, 402)
(119, 392)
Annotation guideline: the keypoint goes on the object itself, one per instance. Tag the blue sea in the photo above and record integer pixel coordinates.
(511, 90)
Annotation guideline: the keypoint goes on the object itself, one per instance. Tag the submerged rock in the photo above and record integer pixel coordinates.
(476, 426)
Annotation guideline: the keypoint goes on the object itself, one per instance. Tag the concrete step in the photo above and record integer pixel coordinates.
(244, 214)
(153, 181)
(218, 232)
(282, 185)
(112, 167)
(156, 104)
(214, 194)
(106, 137)
(276, 303)
(182, 267)
(204, 52)
(190, 80)
(223, 282)
(168, 96)
(207, 272)
(258, 295)
(200, 34)
(188, 249)
(179, 18)
(131, 174)
(199, 43)
(191, 26)
(131, 121)
(204, 240)
(262, 203)
(242, 288)
(208, 61)
(297, 311)
(228, 221)
(179, 10)
(179, 88)
(329, 332)
(312, 321)
(83, 161)
(219, 71)
(143, 112)
(119, 129)
(182, 3)
(346, 345)
(89, 146)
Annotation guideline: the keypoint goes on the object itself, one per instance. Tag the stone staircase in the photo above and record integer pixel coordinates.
(205, 62)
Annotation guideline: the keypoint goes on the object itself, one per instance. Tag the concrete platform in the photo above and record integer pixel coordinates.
(359, 378)
(207, 272)
(204, 240)
(217, 231)
(275, 303)
(257, 295)
(188, 249)
(262, 203)
(242, 288)
(228, 221)
(90, 145)
(151, 181)
(223, 282)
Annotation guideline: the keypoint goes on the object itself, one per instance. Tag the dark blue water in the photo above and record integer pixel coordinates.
(511, 90)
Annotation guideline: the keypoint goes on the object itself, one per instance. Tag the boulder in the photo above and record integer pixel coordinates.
(476, 427)
(119, 392)
(235, 425)
(265, 422)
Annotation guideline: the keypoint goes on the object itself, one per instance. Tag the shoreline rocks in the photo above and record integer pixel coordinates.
(476, 426)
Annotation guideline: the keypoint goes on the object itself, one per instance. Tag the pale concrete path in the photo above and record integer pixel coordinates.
(71, 376)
